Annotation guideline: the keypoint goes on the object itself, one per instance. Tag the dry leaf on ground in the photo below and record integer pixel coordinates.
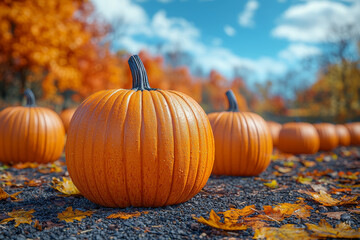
(234, 213)
(214, 221)
(54, 167)
(124, 215)
(25, 165)
(66, 186)
(335, 215)
(19, 216)
(70, 216)
(272, 184)
(325, 230)
(269, 214)
(4, 195)
(299, 209)
(325, 199)
(285, 232)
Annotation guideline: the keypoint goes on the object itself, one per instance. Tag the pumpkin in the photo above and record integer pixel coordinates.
(327, 135)
(243, 144)
(140, 147)
(354, 131)
(66, 116)
(30, 133)
(274, 130)
(343, 135)
(298, 137)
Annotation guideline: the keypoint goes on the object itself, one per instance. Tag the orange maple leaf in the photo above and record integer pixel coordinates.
(4, 195)
(214, 221)
(66, 187)
(268, 214)
(19, 216)
(325, 230)
(124, 215)
(299, 209)
(285, 232)
(70, 216)
(325, 199)
(234, 213)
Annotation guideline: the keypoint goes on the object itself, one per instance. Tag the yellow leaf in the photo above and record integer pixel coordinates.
(234, 213)
(256, 224)
(214, 221)
(325, 230)
(3, 195)
(19, 216)
(69, 215)
(66, 186)
(325, 199)
(285, 232)
(272, 184)
(300, 209)
(303, 180)
(124, 215)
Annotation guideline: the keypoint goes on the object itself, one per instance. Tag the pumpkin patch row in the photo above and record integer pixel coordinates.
(151, 147)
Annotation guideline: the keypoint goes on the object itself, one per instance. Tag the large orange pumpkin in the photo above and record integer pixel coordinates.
(30, 133)
(274, 130)
(327, 135)
(140, 147)
(66, 116)
(243, 144)
(343, 135)
(354, 130)
(298, 137)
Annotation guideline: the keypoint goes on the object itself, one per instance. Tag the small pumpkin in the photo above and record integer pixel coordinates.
(327, 135)
(140, 147)
(274, 130)
(298, 138)
(30, 133)
(354, 131)
(66, 116)
(343, 135)
(243, 144)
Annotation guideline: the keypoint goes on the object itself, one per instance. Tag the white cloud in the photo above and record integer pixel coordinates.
(311, 21)
(230, 31)
(164, 1)
(247, 15)
(216, 42)
(298, 51)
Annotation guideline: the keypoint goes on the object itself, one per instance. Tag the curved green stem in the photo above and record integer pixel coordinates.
(233, 105)
(30, 98)
(140, 79)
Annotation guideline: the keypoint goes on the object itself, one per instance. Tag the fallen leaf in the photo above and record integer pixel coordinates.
(234, 213)
(214, 221)
(268, 214)
(19, 216)
(335, 215)
(354, 211)
(325, 199)
(288, 231)
(340, 190)
(307, 163)
(70, 216)
(325, 230)
(66, 186)
(272, 184)
(25, 165)
(256, 224)
(4, 195)
(37, 225)
(318, 187)
(299, 209)
(33, 183)
(303, 180)
(124, 215)
(50, 169)
(283, 169)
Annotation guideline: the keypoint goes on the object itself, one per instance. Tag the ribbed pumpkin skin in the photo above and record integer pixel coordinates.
(354, 130)
(243, 144)
(327, 135)
(343, 135)
(139, 148)
(298, 138)
(66, 116)
(30, 134)
(274, 130)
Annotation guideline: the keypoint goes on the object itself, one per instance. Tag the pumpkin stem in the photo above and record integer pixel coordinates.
(140, 79)
(233, 106)
(30, 98)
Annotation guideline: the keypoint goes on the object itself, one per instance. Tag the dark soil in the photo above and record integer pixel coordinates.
(176, 222)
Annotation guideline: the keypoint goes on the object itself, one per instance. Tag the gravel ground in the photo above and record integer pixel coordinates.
(176, 222)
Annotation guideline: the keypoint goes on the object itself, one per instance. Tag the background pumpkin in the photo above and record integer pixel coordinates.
(343, 135)
(30, 133)
(298, 137)
(354, 131)
(139, 147)
(327, 135)
(243, 144)
(66, 116)
(274, 130)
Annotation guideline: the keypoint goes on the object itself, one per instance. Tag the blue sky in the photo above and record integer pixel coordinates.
(264, 36)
